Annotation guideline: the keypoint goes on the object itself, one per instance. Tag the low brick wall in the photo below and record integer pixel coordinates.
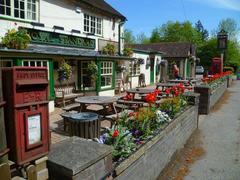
(150, 159)
(208, 98)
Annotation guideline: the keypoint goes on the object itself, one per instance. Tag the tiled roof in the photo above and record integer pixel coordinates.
(103, 5)
(170, 49)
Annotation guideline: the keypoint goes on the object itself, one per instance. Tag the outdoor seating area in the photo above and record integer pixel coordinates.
(111, 109)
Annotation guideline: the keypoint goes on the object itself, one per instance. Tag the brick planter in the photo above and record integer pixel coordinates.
(208, 97)
(148, 161)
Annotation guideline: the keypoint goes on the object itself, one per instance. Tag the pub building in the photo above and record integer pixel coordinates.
(73, 31)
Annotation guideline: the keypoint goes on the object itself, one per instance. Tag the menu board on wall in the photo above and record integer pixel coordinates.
(34, 129)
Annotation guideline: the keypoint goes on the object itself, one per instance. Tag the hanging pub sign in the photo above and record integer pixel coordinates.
(58, 39)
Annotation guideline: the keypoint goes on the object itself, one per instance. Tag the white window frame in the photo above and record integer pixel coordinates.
(92, 24)
(26, 10)
(134, 69)
(35, 62)
(106, 72)
(82, 75)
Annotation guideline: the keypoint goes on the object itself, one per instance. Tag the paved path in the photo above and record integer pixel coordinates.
(220, 134)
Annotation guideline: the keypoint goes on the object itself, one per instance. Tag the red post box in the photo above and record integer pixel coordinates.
(216, 66)
(26, 113)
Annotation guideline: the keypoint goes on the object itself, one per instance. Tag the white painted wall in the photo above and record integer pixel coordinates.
(142, 69)
(107, 93)
(63, 13)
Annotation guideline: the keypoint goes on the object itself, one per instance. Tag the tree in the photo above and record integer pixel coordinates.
(155, 36)
(230, 26)
(142, 38)
(129, 37)
(199, 27)
(209, 50)
(176, 32)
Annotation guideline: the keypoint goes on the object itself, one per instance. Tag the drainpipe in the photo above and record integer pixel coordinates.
(119, 36)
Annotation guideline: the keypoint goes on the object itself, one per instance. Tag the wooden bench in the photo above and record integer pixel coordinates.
(65, 93)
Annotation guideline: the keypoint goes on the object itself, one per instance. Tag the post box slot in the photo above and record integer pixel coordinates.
(32, 82)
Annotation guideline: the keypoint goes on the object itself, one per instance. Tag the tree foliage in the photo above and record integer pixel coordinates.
(204, 32)
(176, 32)
(230, 26)
(142, 38)
(129, 38)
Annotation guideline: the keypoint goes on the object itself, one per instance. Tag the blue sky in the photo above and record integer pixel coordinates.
(144, 15)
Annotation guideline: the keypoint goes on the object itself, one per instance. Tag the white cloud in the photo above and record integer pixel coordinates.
(226, 4)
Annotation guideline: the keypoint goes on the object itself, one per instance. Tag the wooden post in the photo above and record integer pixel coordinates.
(3, 141)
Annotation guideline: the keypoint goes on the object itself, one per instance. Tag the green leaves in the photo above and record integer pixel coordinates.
(16, 39)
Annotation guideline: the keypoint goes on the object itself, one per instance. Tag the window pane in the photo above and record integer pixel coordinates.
(8, 2)
(25, 63)
(32, 63)
(39, 64)
(16, 13)
(22, 15)
(45, 63)
(2, 10)
(16, 4)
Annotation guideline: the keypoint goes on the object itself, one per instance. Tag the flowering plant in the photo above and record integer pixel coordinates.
(121, 139)
(16, 39)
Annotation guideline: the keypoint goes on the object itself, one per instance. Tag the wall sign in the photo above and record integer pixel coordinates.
(34, 129)
(53, 38)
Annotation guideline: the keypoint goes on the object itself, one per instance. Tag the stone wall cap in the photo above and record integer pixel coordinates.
(76, 154)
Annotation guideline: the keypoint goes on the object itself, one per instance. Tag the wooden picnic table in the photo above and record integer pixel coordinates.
(185, 81)
(107, 102)
(140, 90)
(166, 85)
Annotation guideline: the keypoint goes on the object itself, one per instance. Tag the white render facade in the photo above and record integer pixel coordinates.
(150, 67)
(74, 18)
(66, 14)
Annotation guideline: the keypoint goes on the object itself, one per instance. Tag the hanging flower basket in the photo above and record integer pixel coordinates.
(64, 72)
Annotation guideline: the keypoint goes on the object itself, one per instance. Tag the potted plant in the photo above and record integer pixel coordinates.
(16, 39)
(109, 49)
(127, 52)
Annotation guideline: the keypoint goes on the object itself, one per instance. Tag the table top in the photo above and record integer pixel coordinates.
(140, 91)
(167, 84)
(96, 99)
(84, 116)
(182, 80)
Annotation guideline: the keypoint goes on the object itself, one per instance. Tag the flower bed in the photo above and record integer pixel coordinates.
(133, 132)
(156, 153)
(211, 90)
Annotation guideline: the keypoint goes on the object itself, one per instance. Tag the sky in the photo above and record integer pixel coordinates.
(145, 15)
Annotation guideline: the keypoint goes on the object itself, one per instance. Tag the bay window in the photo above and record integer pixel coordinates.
(92, 24)
(20, 9)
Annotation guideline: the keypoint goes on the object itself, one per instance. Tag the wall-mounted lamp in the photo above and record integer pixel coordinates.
(58, 28)
(75, 31)
(78, 10)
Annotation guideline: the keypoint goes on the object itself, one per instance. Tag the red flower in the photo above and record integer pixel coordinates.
(151, 98)
(167, 91)
(157, 91)
(128, 97)
(176, 93)
(115, 134)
